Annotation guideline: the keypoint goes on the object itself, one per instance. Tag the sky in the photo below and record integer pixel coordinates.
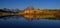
(22, 4)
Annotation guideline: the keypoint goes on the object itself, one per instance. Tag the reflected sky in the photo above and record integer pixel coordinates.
(18, 21)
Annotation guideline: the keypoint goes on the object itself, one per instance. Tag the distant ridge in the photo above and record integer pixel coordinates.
(4, 11)
(9, 10)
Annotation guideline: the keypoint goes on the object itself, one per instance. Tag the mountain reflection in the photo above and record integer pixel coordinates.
(9, 17)
(19, 17)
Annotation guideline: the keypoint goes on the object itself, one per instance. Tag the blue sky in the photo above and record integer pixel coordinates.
(22, 4)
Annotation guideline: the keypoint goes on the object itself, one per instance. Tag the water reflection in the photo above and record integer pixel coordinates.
(23, 22)
(9, 17)
(21, 17)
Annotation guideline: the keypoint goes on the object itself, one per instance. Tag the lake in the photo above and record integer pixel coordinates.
(18, 21)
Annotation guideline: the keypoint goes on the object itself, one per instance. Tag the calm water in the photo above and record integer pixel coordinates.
(18, 21)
